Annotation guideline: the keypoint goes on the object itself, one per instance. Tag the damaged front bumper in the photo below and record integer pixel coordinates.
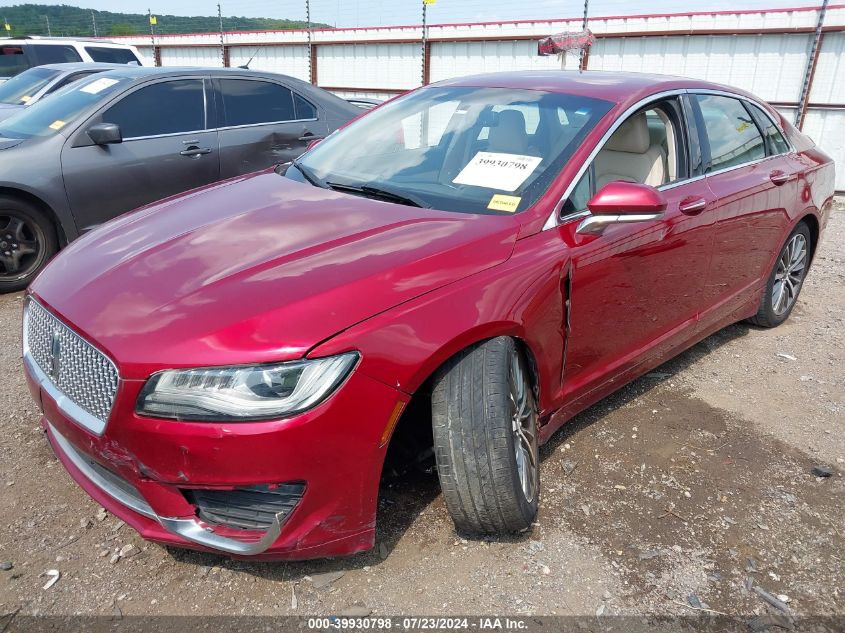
(323, 466)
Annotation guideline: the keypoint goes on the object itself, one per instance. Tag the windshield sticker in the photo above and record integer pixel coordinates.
(505, 172)
(501, 202)
(58, 124)
(96, 87)
(26, 99)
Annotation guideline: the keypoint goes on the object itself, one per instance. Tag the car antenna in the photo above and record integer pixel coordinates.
(246, 66)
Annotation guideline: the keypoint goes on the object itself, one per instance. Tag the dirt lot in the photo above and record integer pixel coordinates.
(667, 497)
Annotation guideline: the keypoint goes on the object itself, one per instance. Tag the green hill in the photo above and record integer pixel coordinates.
(65, 20)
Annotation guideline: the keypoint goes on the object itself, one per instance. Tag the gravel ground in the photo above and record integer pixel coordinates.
(676, 494)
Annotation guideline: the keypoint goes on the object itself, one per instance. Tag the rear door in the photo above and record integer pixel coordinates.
(751, 177)
(263, 123)
(167, 148)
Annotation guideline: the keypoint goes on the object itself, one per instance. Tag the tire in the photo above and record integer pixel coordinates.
(786, 279)
(27, 242)
(475, 440)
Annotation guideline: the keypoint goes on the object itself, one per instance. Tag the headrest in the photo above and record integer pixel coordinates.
(632, 136)
(512, 119)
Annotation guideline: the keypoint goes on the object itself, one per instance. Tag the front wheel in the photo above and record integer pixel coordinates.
(27, 242)
(786, 279)
(485, 438)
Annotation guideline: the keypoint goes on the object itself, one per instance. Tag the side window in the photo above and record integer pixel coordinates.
(13, 60)
(140, 112)
(646, 149)
(731, 131)
(580, 196)
(248, 102)
(777, 144)
(304, 109)
(54, 54)
(111, 55)
(68, 80)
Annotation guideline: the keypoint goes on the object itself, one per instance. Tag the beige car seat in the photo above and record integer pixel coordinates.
(509, 136)
(630, 156)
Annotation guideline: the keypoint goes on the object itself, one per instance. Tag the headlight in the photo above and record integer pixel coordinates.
(256, 392)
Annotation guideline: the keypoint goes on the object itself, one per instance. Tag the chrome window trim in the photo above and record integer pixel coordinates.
(64, 404)
(169, 134)
(243, 125)
(554, 219)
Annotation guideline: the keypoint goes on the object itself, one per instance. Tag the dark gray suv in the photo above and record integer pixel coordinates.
(122, 139)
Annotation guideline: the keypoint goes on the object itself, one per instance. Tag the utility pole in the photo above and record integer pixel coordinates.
(152, 33)
(308, 26)
(424, 38)
(49, 32)
(811, 68)
(222, 42)
(94, 23)
(583, 28)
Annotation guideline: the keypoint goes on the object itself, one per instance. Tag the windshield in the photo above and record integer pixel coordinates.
(48, 116)
(481, 150)
(19, 90)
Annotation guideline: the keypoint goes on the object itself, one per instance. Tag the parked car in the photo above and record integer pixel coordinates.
(18, 54)
(364, 103)
(128, 137)
(32, 85)
(473, 263)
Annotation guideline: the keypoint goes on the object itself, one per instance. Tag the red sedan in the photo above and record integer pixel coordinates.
(472, 264)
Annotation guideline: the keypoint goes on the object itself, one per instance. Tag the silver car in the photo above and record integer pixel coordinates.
(124, 138)
(32, 85)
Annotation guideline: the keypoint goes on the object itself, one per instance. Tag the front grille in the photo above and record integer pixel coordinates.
(78, 370)
(252, 508)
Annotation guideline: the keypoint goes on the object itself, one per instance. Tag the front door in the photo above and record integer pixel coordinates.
(635, 288)
(167, 148)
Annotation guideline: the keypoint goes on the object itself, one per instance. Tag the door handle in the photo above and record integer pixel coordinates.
(692, 206)
(195, 152)
(310, 137)
(778, 177)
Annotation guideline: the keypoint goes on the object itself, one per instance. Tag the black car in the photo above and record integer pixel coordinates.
(121, 139)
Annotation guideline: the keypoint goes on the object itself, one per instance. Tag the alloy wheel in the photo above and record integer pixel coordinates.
(20, 244)
(524, 422)
(789, 275)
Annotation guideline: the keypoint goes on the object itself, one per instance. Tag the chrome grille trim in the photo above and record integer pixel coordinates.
(80, 378)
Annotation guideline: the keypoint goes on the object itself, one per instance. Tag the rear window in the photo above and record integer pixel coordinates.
(111, 55)
(13, 60)
(53, 54)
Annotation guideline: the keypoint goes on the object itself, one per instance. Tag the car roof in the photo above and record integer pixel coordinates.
(618, 87)
(77, 66)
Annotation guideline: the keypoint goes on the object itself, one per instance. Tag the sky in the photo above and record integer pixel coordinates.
(384, 12)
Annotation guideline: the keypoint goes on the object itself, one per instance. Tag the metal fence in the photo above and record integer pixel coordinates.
(769, 52)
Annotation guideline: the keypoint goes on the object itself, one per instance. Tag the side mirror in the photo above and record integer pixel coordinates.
(105, 134)
(622, 202)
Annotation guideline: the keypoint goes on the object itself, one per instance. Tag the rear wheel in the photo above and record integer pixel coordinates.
(27, 242)
(485, 438)
(786, 279)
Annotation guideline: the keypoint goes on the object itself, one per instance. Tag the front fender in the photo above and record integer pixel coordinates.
(521, 297)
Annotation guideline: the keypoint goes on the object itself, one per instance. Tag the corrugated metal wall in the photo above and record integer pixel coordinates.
(764, 51)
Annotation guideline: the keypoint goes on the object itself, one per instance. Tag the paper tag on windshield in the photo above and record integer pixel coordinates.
(505, 172)
(58, 124)
(96, 87)
(501, 202)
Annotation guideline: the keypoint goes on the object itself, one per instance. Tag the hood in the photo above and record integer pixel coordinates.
(6, 143)
(257, 269)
